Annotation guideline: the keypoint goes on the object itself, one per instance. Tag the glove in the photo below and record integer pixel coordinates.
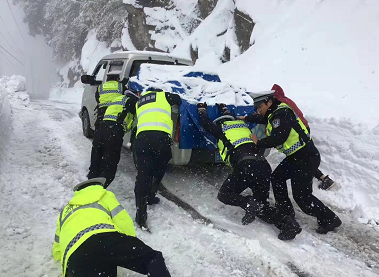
(201, 107)
(222, 107)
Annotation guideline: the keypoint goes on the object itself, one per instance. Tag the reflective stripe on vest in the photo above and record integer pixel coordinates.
(237, 142)
(104, 105)
(92, 205)
(152, 110)
(237, 132)
(108, 91)
(154, 113)
(80, 235)
(293, 142)
(117, 210)
(234, 126)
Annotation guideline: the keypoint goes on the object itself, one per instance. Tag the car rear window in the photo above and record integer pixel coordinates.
(136, 65)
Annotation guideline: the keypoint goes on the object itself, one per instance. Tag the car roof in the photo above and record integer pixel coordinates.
(145, 54)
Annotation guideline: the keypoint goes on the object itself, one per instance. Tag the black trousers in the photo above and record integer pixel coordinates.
(99, 117)
(106, 150)
(100, 255)
(153, 151)
(318, 173)
(253, 174)
(301, 173)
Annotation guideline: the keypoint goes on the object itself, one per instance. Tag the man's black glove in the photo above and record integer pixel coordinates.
(222, 108)
(201, 108)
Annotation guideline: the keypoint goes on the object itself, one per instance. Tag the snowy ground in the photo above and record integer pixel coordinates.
(47, 155)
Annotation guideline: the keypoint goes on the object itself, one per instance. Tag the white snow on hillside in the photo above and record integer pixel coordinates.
(325, 54)
(92, 52)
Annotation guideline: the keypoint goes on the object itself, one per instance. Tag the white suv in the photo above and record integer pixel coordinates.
(128, 63)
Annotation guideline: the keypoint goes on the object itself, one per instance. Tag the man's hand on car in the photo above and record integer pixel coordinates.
(254, 138)
(201, 108)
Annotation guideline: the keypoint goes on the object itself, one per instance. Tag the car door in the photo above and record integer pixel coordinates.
(90, 91)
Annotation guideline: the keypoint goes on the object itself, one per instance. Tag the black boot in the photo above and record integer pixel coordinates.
(141, 214)
(267, 214)
(251, 208)
(289, 228)
(153, 199)
(326, 183)
(326, 226)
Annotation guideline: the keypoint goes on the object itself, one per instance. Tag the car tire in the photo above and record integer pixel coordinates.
(86, 126)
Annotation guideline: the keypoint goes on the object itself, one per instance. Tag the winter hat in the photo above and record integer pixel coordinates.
(263, 98)
(91, 182)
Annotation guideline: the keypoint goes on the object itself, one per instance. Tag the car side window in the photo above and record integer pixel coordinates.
(100, 72)
(115, 67)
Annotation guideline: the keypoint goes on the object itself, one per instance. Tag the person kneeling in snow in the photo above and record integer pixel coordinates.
(289, 135)
(95, 234)
(250, 168)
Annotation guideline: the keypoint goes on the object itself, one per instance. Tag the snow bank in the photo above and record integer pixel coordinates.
(5, 117)
(325, 54)
(10, 87)
(15, 86)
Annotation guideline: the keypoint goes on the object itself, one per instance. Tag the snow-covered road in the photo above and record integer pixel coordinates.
(47, 155)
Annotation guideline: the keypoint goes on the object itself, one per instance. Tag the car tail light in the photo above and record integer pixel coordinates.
(177, 131)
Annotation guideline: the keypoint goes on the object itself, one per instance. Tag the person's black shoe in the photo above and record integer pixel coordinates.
(328, 226)
(251, 209)
(267, 214)
(153, 200)
(289, 228)
(326, 183)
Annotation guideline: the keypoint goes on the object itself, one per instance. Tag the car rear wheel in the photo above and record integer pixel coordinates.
(86, 126)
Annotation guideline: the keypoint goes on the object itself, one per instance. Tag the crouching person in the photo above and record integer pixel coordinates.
(95, 234)
(250, 168)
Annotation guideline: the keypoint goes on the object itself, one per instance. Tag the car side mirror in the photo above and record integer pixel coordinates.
(87, 79)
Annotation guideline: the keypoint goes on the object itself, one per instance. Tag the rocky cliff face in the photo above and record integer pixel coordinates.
(157, 25)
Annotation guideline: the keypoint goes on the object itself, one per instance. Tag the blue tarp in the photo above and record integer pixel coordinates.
(192, 135)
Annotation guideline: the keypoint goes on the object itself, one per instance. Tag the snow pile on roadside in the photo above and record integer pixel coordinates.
(5, 117)
(192, 83)
(15, 87)
(14, 83)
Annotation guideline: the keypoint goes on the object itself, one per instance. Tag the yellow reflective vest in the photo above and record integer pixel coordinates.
(92, 210)
(114, 110)
(238, 133)
(154, 113)
(108, 91)
(293, 142)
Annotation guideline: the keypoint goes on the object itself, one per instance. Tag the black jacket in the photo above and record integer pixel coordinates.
(285, 120)
(247, 149)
